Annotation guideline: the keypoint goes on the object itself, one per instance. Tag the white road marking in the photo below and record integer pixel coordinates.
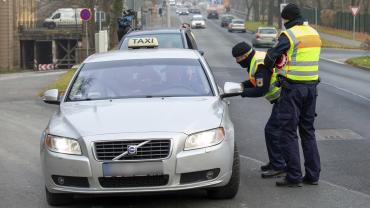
(334, 61)
(30, 74)
(321, 181)
(347, 91)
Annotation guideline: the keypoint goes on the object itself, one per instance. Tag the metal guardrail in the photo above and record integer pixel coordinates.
(238, 13)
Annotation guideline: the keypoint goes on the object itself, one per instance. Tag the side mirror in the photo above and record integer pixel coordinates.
(51, 97)
(201, 52)
(232, 89)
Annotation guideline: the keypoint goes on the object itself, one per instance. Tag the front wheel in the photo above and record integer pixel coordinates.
(230, 190)
(52, 25)
(54, 199)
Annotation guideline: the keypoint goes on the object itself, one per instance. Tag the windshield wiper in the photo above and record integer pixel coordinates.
(77, 100)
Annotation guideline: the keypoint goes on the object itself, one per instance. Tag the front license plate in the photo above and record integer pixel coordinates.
(132, 169)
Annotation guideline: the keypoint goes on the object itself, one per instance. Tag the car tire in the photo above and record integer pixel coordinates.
(52, 25)
(230, 190)
(54, 199)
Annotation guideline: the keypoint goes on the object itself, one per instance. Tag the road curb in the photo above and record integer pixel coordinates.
(345, 63)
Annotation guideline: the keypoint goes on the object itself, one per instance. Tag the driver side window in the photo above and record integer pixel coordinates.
(56, 16)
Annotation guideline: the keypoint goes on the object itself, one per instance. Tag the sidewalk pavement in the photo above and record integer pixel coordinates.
(341, 40)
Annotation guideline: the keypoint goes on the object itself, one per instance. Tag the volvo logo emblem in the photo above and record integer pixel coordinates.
(132, 150)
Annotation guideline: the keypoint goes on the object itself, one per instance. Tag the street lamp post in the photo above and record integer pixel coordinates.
(168, 14)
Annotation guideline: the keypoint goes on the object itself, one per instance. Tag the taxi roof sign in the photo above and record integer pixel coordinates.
(145, 42)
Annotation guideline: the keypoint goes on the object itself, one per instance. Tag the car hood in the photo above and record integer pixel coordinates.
(181, 115)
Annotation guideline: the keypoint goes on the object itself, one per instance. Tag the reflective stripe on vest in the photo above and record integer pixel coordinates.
(303, 54)
(274, 90)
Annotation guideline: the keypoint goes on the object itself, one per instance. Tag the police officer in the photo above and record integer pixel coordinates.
(299, 78)
(263, 82)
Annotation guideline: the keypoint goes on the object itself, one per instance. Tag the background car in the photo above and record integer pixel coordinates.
(237, 25)
(197, 21)
(194, 11)
(213, 14)
(102, 141)
(172, 2)
(226, 20)
(265, 36)
(168, 38)
(183, 11)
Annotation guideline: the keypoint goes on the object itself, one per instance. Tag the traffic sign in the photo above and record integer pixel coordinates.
(354, 13)
(355, 10)
(85, 14)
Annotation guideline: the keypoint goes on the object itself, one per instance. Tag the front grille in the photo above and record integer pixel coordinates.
(136, 181)
(155, 149)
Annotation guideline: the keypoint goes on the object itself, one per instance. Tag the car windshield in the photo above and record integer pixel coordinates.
(267, 31)
(238, 22)
(197, 19)
(165, 40)
(140, 79)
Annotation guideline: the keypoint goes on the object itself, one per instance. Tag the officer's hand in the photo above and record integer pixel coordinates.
(244, 84)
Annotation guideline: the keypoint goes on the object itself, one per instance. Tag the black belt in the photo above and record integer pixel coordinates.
(290, 81)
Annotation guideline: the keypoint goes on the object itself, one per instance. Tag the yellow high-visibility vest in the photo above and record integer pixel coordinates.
(274, 90)
(303, 54)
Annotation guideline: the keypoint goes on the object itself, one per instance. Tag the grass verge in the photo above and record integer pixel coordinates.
(61, 83)
(332, 44)
(343, 33)
(252, 26)
(361, 62)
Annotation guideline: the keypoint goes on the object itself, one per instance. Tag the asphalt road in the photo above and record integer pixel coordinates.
(343, 103)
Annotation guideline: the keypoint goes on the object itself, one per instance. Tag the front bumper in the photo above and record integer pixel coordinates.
(238, 29)
(216, 157)
(198, 26)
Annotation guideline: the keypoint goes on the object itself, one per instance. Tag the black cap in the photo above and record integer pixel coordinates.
(241, 49)
(291, 11)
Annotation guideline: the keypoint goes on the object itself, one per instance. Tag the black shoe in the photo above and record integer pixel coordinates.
(286, 183)
(273, 174)
(310, 182)
(266, 167)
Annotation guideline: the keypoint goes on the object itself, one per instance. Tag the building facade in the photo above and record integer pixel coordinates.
(15, 16)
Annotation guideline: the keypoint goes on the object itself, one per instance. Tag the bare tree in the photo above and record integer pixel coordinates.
(249, 5)
(256, 10)
(270, 13)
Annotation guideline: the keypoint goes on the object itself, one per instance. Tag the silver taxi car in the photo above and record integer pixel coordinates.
(144, 120)
(265, 36)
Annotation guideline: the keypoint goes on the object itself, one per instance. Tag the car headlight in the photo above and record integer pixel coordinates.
(205, 139)
(62, 145)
